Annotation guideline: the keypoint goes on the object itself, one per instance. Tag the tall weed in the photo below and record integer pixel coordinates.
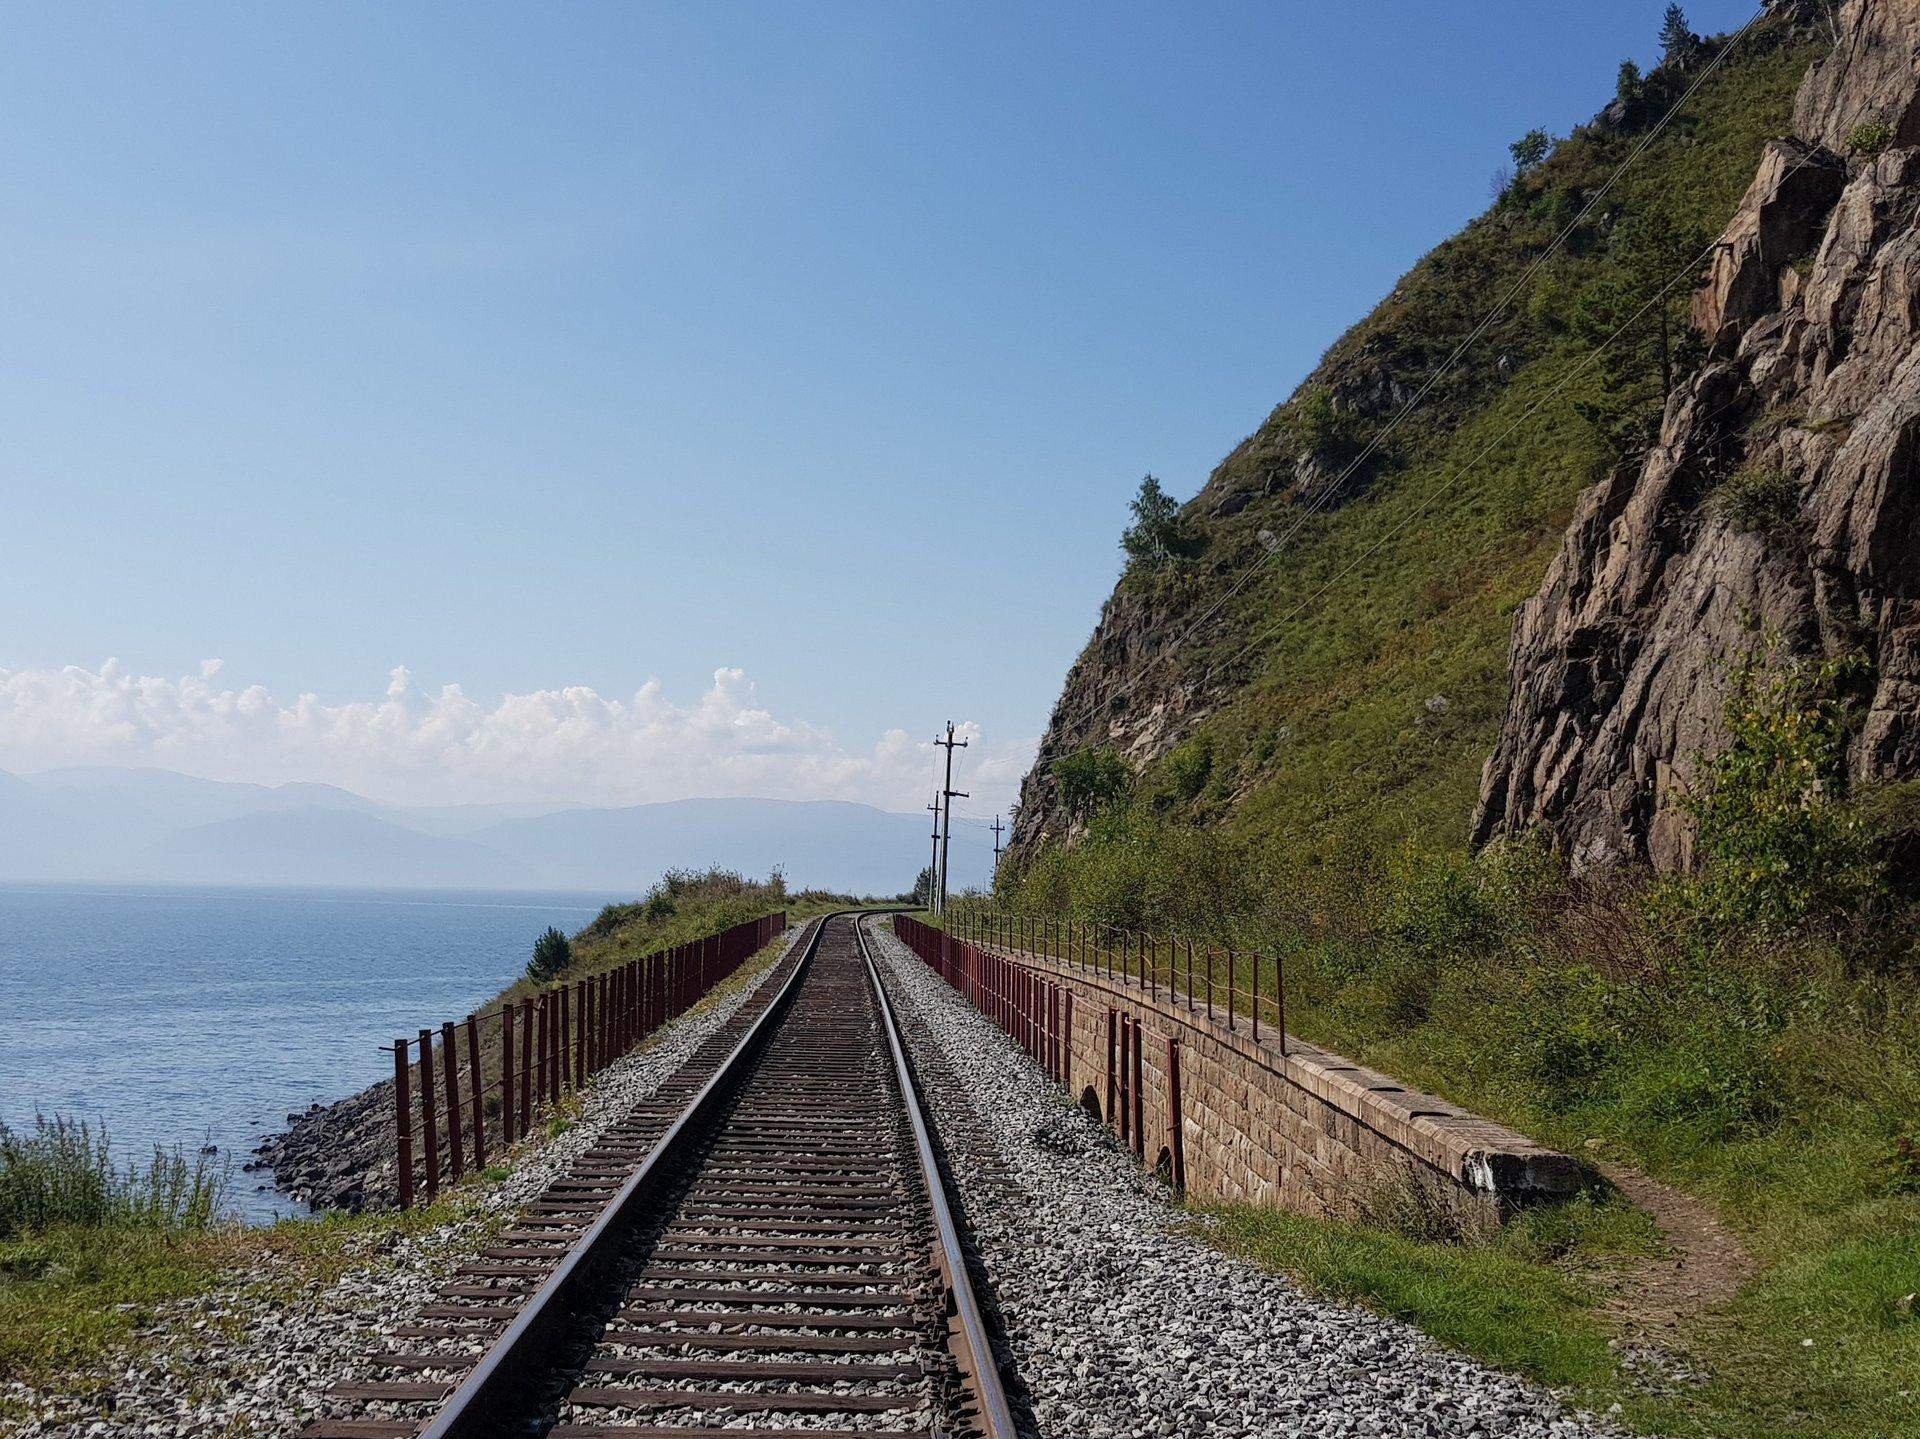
(62, 1172)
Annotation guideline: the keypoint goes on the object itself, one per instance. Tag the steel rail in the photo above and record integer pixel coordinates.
(977, 1362)
(470, 1409)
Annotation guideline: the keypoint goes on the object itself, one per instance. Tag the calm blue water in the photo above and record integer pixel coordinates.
(185, 1015)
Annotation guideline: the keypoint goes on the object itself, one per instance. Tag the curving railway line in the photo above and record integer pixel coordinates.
(765, 1246)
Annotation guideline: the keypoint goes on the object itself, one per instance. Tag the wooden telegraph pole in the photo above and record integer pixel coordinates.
(950, 744)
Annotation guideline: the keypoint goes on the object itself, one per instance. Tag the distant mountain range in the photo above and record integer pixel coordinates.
(104, 824)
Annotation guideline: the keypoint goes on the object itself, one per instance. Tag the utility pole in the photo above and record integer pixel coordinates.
(933, 864)
(950, 744)
(996, 844)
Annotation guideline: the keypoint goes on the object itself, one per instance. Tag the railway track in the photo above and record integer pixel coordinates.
(766, 1244)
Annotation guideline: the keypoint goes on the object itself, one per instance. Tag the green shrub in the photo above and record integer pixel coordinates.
(62, 1172)
(1717, 1084)
(1190, 765)
(1762, 500)
(552, 955)
(1903, 1165)
(1869, 139)
(1777, 850)
(1437, 905)
(1092, 781)
(1570, 1039)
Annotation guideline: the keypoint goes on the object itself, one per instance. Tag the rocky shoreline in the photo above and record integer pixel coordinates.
(335, 1156)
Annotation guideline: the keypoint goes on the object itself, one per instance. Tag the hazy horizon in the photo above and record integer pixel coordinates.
(107, 825)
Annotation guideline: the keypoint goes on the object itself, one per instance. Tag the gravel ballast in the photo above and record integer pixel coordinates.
(256, 1356)
(1121, 1324)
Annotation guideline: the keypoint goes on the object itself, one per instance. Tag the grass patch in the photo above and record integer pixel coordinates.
(75, 1298)
(1512, 1302)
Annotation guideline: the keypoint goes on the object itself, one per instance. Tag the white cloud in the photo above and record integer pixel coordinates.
(411, 746)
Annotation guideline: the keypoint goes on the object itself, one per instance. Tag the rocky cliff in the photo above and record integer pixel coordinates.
(1808, 402)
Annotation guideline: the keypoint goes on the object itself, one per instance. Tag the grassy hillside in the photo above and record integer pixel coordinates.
(1315, 673)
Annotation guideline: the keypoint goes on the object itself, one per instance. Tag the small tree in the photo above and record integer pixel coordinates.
(1645, 343)
(923, 887)
(552, 955)
(1092, 781)
(1530, 149)
(1678, 43)
(1630, 85)
(1157, 534)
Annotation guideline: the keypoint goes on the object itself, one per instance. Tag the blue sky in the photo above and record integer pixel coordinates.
(547, 350)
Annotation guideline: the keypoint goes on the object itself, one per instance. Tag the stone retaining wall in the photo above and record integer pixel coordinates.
(1304, 1130)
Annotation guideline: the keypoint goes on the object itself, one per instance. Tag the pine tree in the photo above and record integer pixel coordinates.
(1642, 287)
(552, 954)
(1629, 87)
(1678, 43)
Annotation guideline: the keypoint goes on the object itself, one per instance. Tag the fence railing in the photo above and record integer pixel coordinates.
(1036, 1012)
(1039, 1015)
(1225, 982)
(524, 1057)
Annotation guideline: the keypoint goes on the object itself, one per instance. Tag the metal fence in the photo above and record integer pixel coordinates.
(1036, 1012)
(525, 1056)
(1234, 985)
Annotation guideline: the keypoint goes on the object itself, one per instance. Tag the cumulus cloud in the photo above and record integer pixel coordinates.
(412, 746)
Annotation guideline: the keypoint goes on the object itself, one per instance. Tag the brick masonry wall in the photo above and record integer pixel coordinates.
(1304, 1130)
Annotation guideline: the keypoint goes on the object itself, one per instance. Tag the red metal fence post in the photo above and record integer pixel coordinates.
(430, 1124)
(526, 1065)
(1139, 1090)
(1176, 1138)
(450, 1073)
(402, 1124)
(543, 1022)
(479, 1093)
(1280, 994)
(1113, 1078)
(580, 1032)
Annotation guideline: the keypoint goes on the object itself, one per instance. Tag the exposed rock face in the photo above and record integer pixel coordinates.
(1123, 692)
(1813, 380)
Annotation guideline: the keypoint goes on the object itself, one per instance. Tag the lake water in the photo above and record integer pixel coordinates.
(193, 1016)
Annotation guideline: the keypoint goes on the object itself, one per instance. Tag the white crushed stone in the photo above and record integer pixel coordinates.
(1119, 1324)
(257, 1355)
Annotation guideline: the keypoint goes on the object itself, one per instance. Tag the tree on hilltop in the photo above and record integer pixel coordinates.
(1157, 534)
(1678, 43)
(1630, 85)
(1530, 149)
